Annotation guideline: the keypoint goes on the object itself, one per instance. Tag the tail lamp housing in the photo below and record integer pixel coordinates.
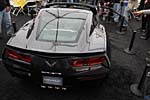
(88, 62)
(18, 56)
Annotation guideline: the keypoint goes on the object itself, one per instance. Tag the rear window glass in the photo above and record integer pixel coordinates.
(63, 28)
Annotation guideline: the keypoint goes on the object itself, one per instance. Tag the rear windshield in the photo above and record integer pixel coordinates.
(64, 26)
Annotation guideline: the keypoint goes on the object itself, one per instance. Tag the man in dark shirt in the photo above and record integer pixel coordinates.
(5, 13)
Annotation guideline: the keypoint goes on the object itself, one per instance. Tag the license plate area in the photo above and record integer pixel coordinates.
(49, 80)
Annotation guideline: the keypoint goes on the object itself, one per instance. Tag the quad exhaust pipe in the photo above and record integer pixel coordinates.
(54, 87)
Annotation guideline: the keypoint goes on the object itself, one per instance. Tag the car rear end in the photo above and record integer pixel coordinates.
(50, 69)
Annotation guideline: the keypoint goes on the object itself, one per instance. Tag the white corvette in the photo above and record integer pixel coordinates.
(63, 45)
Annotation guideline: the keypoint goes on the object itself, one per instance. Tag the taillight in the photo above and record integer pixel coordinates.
(12, 54)
(26, 58)
(78, 63)
(88, 62)
(96, 61)
(18, 56)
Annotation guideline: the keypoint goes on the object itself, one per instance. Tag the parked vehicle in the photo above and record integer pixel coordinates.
(63, 45)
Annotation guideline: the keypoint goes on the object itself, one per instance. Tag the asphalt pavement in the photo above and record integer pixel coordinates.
(125, 70)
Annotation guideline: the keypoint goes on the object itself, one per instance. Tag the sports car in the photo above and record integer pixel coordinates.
(63, 45)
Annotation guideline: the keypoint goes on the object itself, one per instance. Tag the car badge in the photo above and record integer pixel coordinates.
(50, 64)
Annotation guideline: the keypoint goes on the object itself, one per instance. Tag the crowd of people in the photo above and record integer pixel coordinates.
(127, 8)
(123, 7)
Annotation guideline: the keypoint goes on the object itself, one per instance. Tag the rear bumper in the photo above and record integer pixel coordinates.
(68, 79)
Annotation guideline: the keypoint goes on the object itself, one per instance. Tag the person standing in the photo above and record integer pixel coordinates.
(116, 7)
(144, 12)
(146, 22)
(5, 13)
(124, 12)
(131, 5)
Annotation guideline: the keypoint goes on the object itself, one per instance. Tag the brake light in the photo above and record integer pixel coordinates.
(26, 58)
(95, 61)
(78, 63)
(88, 62)
(13, 54)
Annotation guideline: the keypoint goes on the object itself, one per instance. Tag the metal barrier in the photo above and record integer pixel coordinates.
(137, 88)
(120, 25)
(129, 50)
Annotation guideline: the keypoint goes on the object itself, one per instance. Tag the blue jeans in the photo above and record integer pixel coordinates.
(7, 19)
(125, 13)
(117, 9)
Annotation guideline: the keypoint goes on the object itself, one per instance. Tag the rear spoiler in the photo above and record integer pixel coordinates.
(54, 55)
(83, 6)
